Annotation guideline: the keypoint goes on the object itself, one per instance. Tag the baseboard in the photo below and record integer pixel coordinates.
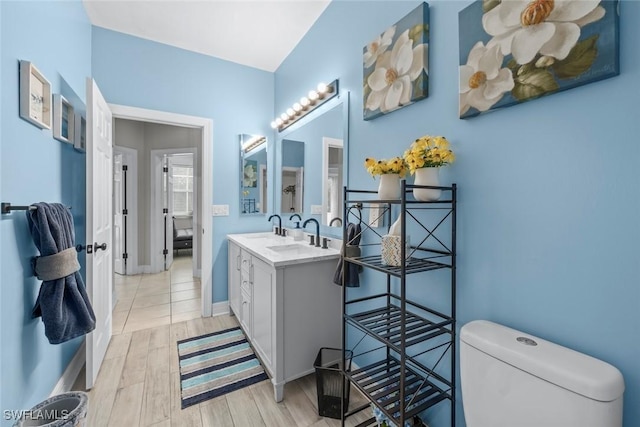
(220, 308)
(132, 270)
(71, 373)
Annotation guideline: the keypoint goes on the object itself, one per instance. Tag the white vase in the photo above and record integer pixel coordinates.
(427, 176)
(389, 188)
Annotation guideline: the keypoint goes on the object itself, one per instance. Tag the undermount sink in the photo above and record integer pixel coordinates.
(293, 247)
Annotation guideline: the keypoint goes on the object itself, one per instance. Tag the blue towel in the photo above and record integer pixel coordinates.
(63, 303)
(351, 278)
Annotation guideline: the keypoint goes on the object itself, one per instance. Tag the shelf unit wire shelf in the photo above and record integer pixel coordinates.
(380, 383)
(401, 385)
(412, 265)
(385, 324)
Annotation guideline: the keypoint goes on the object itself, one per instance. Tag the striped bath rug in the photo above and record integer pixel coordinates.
(217, 363)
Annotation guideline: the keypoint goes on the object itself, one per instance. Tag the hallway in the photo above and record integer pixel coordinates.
(149, 300)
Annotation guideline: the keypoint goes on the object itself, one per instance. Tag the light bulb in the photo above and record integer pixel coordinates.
(284, 117)
(279, 122)
(290, 112)
(313, 95)
(274, 124)
(297, 107)
(304, 101)
(322, 88)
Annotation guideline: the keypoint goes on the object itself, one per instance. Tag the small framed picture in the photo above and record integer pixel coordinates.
(35, 96)
(80, 139)
(63, 119)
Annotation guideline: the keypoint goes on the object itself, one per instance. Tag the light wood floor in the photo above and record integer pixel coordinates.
(139, 381)
(148, 300)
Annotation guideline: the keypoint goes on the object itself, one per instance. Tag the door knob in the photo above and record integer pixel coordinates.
(97, 247)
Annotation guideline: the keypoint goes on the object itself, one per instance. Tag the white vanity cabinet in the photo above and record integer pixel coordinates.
(288, 307)
(264, 310)
(234, 279)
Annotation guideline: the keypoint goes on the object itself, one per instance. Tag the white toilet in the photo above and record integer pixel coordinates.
(512, 379)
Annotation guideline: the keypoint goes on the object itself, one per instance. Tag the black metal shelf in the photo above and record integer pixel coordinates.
(401, 385)
(384, 323)
(412, 265)
(380, 383)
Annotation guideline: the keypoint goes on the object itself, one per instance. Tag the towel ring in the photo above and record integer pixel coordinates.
(357, 206)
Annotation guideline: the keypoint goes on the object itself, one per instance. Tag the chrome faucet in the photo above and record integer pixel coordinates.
(304, 225)
(279, 227)
(295, 215)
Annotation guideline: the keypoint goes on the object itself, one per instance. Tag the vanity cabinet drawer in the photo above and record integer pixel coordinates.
(246, 314)
(245, 283)
(245, 260)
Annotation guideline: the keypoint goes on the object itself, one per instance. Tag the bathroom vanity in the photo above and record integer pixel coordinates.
(283, 295)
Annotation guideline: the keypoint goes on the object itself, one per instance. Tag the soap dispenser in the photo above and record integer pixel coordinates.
(297, 232)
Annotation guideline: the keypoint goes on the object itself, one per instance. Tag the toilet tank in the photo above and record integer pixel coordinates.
(511, 379)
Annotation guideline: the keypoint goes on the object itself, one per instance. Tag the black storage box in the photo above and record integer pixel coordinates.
(329, 382)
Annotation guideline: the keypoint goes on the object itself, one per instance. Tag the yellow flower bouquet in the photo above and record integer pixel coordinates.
(428, 152)
(395, 165)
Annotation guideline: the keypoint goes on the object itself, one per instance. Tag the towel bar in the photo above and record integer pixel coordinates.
(7, 207)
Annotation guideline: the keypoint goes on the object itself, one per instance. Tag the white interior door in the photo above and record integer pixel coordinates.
(99, 226)
(118, 206)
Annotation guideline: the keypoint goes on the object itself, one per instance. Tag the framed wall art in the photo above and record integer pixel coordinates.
(518, 50)
(63, 119)
(35, 96)
(80, 133)
(395, 65)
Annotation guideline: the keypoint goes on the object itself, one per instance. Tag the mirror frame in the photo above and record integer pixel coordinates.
(342, 99)
(242, 138)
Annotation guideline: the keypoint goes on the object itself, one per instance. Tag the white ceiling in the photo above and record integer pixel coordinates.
(257, 33)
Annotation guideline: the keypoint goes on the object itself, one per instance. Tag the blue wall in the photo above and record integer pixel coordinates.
(549, 195)
(140, 73)
(56, 37)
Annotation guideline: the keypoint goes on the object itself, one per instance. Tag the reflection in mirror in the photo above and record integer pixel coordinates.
(319, 142)
(253, 174)
(292, 176)
(332, 181)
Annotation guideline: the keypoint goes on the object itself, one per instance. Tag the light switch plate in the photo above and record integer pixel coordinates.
(316, 209)
(220, 210)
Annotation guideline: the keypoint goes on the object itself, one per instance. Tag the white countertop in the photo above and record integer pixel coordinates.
(281, 251)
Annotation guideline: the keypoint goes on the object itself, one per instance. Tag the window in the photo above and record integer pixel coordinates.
(182, 190)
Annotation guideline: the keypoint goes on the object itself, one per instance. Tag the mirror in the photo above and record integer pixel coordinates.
(292, 178)
(312, 157)
(253, 174)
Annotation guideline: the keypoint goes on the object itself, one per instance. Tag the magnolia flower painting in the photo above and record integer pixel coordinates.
(250, 173)
(512, 51)
(395, 65)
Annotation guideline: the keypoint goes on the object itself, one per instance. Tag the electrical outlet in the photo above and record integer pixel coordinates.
(375, 215)
(316, 209)
(220, 210)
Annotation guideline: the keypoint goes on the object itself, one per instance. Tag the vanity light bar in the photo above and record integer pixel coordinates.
(253, 143)
(307, 104)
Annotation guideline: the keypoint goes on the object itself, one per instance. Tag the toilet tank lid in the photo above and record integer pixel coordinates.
(551, 362)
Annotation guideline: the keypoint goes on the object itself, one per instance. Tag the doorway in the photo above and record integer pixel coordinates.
(202, 224)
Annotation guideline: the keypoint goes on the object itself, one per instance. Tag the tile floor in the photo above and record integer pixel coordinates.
(139, 385)
(139, 381)
(149, 300)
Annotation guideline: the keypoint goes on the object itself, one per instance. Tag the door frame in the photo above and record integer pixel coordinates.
(155, 204)
(131, 156)
(327, 143)
(206, 153)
